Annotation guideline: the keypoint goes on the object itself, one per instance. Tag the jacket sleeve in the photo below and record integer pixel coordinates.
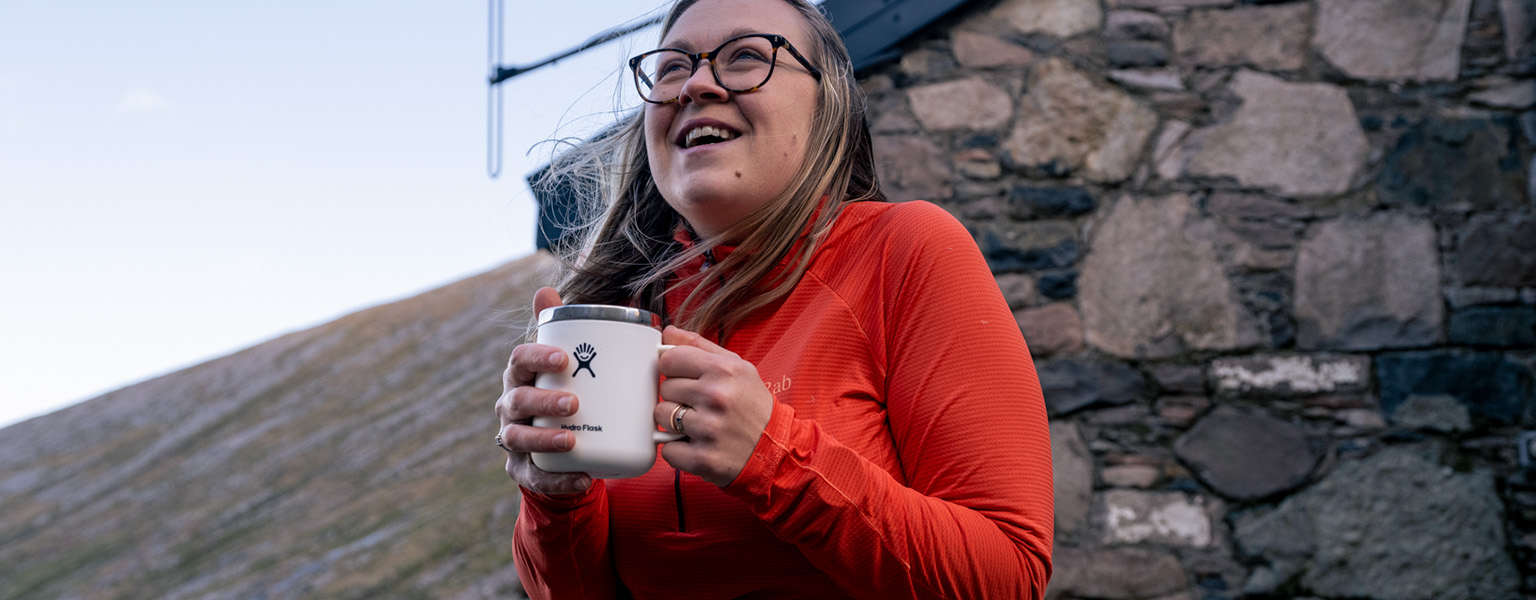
(974, 517)
(560, 545)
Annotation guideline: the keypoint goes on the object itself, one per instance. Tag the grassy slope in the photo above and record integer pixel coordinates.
(351, 460)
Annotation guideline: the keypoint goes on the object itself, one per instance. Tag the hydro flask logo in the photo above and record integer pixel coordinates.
(584, 355)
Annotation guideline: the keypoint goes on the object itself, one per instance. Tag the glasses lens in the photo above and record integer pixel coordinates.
(745, 63)
(660, 74)
(742, 64)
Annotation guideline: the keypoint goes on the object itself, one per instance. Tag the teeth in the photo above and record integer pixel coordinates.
(699, 132)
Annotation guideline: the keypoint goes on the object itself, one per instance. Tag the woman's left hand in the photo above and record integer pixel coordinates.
(728, 406)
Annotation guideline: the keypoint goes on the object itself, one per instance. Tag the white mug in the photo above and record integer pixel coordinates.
(611, 369)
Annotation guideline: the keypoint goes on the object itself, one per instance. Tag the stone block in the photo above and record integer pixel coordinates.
(1031, 201)
(1519, 20)
(1495, 326)
(1291, 376)
(1051, 329)
(926, 63)
(970, 104)
(981, 51)
(1515, 94)
(1148, 79)
(1132, 476)
(1298, 139)
(1018, 289)
(1434, 412)
(1168, 154)
(1369, 284)
(1114, 573)
(1072, 475)
(1247, 456)
(1270, 38)
(1135, 25)
(1072, 384)
(1169, 5)
(1153, 286)
(1166, 518)
(1059, 285)
(1254, 207)
(1184, 379)
(1061, 18)
(1136, 53)
(1360, 530)
(1069, 122)
(1032, 246)
(1498, 251)
(1495, 389)
(1268, 234)
(1181, 411)
(911, 167)
(1393, 40)
(978, 164)
(1454, 164)
(1463, 297)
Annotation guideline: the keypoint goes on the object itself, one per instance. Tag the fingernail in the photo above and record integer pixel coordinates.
(563, 441)
(554, 358)
(564, 404)
(581, 486)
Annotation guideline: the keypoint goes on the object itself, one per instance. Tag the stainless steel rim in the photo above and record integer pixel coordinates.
(599, 312)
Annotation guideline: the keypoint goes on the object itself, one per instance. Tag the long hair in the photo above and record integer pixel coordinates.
(629, 253)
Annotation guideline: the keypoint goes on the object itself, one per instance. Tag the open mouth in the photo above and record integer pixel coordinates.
(707, 134)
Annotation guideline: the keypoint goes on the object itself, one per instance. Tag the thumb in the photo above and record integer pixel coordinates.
(678, 336)
(546, 297)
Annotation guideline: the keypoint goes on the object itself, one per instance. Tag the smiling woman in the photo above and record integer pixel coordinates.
(839, 443)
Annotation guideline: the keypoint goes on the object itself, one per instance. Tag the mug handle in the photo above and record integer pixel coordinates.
(658, 436)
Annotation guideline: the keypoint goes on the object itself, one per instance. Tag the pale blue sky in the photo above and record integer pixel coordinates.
(180, 180)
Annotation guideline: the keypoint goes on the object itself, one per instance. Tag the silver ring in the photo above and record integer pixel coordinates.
(677, 418)
(502, 445)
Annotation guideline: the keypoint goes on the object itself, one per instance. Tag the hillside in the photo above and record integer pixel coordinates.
(351, 460)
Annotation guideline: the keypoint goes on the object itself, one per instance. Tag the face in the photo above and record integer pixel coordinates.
(716, 185)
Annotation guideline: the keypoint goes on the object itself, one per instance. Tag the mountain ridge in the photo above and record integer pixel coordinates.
(345, 460)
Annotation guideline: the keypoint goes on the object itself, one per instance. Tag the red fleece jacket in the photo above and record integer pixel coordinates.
(907, 455)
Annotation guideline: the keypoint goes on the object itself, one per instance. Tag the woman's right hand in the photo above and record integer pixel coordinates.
(520, 402)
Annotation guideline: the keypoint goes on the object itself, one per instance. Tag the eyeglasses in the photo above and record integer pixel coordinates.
(740, 65)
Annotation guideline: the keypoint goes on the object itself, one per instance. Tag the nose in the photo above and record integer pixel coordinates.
(701, 85)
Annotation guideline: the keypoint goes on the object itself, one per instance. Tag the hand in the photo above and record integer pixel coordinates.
(728, 406)
(520, 402)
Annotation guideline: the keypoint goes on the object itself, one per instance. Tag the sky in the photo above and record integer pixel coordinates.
(180, 180)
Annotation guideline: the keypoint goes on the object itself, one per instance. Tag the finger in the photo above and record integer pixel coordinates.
(696, 393)
(528, 360)
(683, 456)
(678, 336)
(546, 297)
(526, 402)
(665, 412)
(527, 438)
(530, 476)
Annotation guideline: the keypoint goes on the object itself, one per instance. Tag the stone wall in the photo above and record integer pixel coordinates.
(1277, 265)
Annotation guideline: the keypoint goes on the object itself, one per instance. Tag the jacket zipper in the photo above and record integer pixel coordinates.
(677, 490)
(677, 476)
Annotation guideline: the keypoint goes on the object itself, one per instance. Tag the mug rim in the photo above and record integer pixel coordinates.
(599, 312)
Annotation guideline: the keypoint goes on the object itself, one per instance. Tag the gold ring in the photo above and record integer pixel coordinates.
(677, 418)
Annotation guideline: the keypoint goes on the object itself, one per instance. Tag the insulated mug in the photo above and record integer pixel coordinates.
(611, 369)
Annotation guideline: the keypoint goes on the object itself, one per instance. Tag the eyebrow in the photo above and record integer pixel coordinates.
(734, 33)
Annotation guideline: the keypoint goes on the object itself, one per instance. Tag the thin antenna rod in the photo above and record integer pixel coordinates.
(505, 73)
(493, 94)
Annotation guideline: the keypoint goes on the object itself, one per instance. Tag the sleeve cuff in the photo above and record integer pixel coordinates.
(562, 502)
(756, 478)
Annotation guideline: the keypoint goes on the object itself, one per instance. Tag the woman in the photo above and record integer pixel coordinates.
(863, 416)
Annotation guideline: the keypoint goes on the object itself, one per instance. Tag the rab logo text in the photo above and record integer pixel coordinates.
(584, 355)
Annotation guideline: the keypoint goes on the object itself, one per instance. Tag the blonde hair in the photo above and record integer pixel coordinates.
(629, 252)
